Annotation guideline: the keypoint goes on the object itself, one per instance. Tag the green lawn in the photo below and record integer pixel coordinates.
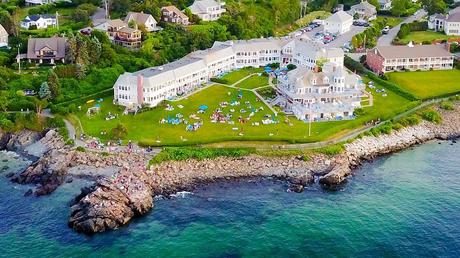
(145, 127)
(253, 82)
(235, 76)
(425, 36)
(428, 84)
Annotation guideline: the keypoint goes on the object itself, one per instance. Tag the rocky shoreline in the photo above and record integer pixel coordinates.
(115, 198)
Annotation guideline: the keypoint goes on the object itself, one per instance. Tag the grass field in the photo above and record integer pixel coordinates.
(253, 82)
(425, 36)
(146, 129)
(235, 76)
(428, 84)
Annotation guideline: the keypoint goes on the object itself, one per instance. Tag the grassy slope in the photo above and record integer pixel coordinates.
(428, 84)
(253, 82)
(421, 36)
(145, 127)
(235, 76)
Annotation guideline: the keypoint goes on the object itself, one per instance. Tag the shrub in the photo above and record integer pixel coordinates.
(431, 115)
(410, 120)
(446, 105)
(331, 150)
(184, 153)
(81, 149)
(119, 132)
(219, 80)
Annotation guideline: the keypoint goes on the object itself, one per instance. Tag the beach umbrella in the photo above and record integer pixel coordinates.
(203, 107)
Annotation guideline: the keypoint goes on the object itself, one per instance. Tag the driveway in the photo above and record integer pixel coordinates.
(341, 39)
(98, 16)
(386, 40)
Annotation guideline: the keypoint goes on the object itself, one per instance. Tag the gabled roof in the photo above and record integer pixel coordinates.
(117, 23)
(200, 6)
(367, 7)
(416, 51)
(36, 17)
(454, 17)
(3, 32)
(140, 18)
(175, 10)
(339, 16)
(57, 44)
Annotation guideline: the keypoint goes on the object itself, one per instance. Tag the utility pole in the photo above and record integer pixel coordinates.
(309, 124)
(19, 59)
(57, 20)
(106, 5)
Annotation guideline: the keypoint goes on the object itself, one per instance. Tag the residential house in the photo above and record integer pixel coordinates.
(40, 21)
(143, 19)
(46, 50)
(385, 5)
(120, 33)
(383, 59)
(3, 37)
(173, 15)
(452, 24)
(313, 95)
(153, 85)
(39, 2)
(128, 37)
(208, 10)
(448, 23)
(364, 11)
(338, 23)
(436, 22)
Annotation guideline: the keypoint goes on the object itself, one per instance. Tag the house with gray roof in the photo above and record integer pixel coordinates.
(143, 19)
(364, 11)
(208, 10)
(39, 2)
(448, 23)
(314, 95)
(156, 84)
(338, 23)
(39, 21)
(383, 59)
(3, 37)
(46, 50)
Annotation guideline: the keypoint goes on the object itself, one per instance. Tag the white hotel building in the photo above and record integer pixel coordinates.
(153, 85)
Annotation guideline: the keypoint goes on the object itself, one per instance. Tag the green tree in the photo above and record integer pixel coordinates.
(39, 105)
(4, 101)
(399, 7)
(44, 92)
(434, 6)
(54, 84)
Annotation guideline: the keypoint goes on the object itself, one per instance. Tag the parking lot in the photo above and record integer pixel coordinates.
(340, 40)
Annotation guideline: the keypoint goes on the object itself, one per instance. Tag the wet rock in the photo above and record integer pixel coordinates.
(297, 188)
(9, 175)
(29, 192)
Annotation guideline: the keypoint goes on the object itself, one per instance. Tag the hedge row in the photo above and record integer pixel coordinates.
(393, 87)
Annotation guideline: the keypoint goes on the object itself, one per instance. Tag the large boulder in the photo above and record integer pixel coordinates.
(22, 139)
(110, 204)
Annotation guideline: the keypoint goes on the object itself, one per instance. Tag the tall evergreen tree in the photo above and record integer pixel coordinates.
(44, 91)
(54, 84)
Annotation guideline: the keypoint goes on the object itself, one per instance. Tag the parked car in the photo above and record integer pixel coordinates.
(386, 30)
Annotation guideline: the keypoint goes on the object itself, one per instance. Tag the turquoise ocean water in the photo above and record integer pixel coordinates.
(403, 205)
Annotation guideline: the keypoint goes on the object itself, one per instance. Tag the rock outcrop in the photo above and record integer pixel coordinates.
(112, 203)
